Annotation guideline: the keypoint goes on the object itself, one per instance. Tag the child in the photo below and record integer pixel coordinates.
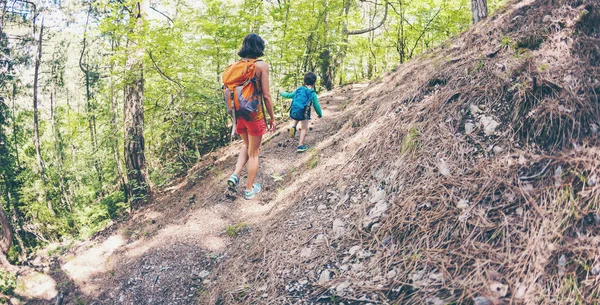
(302, 99)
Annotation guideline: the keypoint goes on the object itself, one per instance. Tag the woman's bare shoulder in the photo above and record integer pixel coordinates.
(261, 65)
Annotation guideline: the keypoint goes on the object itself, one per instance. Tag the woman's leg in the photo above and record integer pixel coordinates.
(243, 157)
(253, 149)
(303, 131)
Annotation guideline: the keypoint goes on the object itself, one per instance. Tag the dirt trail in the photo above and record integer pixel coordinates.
(165, 251)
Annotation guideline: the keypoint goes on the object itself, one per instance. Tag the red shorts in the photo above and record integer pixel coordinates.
(253, 128)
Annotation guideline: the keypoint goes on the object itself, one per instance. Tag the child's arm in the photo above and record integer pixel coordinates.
(287, 94)
(315, 102)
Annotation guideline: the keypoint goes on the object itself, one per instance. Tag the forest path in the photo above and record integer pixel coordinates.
(165, 250)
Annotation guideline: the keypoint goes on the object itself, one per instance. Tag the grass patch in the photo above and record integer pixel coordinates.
(410, 142)
(235, 230)
(314, 159)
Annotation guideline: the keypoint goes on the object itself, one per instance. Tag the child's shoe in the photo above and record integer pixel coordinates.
(232, 182)
(292, 131)
(302, 148)
(251, 193)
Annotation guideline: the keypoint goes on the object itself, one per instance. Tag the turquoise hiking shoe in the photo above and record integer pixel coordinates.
(232, 182)
(292, 131)
(251, 193)
(302, 148)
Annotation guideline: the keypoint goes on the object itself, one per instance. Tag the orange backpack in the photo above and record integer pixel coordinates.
(241, 89)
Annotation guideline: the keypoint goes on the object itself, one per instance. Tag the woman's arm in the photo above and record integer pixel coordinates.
(263, 67)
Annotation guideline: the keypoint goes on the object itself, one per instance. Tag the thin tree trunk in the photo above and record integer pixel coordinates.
(14, 111)
(89, 107)
(7, 231)
(36, 132)
(479, 10)
(135, 160)
(58, 147)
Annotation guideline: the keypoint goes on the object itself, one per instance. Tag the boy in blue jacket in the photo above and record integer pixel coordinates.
(302, 99)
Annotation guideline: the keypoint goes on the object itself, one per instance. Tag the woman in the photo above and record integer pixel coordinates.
(252, 130)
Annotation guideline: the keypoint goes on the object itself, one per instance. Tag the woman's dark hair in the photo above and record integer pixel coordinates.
(310, 79)
(253, 46)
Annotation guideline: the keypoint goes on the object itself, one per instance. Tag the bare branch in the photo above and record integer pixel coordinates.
(165, 76)
(154, 9)
(358, 32)
(423, 32)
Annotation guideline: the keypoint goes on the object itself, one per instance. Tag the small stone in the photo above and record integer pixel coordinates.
(522, 160)
(379, 209)
(462, 204)
(358, 267)
(489, 125)
(436, 277)
(321, 207)
(303, 282)
(204, 274)
(482, 301)
(520, 291)
(324, 277)
(558, 176)
(591, 181)
(341, 287)
(474, 109)
(338, 228)
(378, 196)
(443, 168)
(519, 211)
(376, 226)
(568, 78)
(596, 270)
(547, 18)
(353, 250)
(469, 128)
(498, 149)
(391, 274)
(305, 252)
(366, 254)
(562, 262)
(499, 290)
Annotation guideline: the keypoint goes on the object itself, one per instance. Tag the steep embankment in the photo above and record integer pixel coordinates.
(469, 175)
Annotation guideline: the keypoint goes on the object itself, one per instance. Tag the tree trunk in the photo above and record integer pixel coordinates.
(115, 136)
(7, 234)
(36, 132)
(479, 10)
(135, 161)
(58, 147)
(89, 82)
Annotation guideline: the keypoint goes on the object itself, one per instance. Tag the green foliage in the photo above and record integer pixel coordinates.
(506, 41)
(8, 282)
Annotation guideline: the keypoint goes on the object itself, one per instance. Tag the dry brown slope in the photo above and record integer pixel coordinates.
(469, 175)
